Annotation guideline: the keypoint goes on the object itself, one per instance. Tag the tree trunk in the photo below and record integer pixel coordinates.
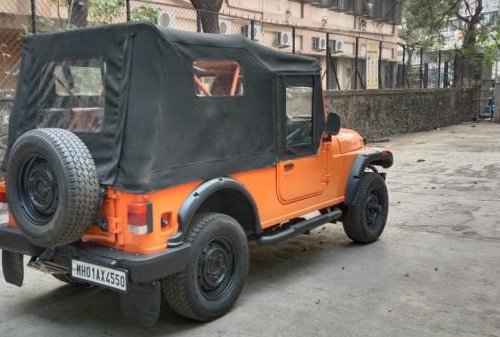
(470, 37)
(208, 14)
(471, 22)
(209, 22)
(79, 11)
(409, 53)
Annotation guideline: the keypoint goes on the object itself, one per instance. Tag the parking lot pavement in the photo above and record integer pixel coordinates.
(435, 272)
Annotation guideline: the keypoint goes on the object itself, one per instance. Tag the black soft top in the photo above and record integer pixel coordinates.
(156, 131)
(273, 60)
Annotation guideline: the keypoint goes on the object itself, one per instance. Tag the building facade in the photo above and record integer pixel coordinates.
(372, 23)
(355, 40)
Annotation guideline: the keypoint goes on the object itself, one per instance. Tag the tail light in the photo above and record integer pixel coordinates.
(140, 218)
(3, 192)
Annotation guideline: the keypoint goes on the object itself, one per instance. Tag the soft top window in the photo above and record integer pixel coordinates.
(78, 80)
(216, 78)
(299, 115)
(73, 95)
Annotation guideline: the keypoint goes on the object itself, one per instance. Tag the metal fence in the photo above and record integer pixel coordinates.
(15, 22)
(420, 68)
(349, 62)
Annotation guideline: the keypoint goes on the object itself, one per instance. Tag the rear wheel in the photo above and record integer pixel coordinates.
(365, 218)
(216, 272)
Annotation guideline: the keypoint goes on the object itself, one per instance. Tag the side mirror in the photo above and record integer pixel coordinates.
(332, 126)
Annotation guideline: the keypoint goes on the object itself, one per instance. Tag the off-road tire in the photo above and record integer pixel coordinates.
(52, 186)
(183, 291)
(357, 220)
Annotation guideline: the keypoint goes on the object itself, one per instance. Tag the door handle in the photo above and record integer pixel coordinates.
(289, 166)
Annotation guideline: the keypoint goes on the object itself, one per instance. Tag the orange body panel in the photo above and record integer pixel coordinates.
(291, 185)
(281, 193)
(288, 190)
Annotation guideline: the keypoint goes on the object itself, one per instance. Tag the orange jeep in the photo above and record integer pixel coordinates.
(143, 160)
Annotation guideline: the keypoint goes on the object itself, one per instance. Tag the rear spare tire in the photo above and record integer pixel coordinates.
(52, 186)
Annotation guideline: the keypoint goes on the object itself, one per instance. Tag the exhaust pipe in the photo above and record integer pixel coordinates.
(47, 267)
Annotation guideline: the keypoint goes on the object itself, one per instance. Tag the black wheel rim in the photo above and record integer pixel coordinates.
(216, 266)
(374, 209)
(37, 185)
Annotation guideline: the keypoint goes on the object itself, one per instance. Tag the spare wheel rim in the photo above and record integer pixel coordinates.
(38, 188)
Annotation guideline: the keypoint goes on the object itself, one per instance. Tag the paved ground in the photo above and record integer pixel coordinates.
(435, 272)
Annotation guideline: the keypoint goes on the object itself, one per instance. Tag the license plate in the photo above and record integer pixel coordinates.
(111, 278)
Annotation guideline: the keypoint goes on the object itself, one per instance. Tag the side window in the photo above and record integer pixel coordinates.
(299, 113)
(216, 78)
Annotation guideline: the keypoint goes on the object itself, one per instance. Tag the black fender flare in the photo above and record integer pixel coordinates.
(363, 160)
(201, 194)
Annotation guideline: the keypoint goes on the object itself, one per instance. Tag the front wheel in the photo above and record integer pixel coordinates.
(216, 272)
(365, 218)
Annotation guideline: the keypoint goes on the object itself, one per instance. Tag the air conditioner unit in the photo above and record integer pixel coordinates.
(283, 39)
(166, 19)
(225, 27)
(257, 31)
(319, 43)
(339, 46)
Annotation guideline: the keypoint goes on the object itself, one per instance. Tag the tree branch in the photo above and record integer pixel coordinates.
(446, 13)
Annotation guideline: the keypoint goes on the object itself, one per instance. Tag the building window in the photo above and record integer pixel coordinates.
(218, 78)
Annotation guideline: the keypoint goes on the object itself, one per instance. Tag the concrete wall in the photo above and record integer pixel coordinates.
(381, 113)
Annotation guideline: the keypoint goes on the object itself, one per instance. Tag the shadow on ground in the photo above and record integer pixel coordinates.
(77, 307)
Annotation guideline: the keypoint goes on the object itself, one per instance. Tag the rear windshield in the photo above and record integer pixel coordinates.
(72, 95)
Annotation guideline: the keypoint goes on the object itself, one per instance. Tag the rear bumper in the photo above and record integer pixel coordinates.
(141, 268)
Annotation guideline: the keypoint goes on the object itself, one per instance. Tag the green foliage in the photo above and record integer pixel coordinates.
(425, 20)
(46, 25)
(144, 13)
(106, 11)
(488, 41)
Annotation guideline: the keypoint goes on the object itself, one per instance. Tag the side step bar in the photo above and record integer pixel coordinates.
(299, 228)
